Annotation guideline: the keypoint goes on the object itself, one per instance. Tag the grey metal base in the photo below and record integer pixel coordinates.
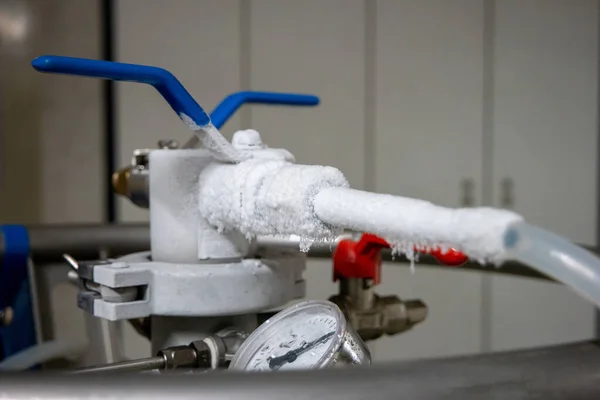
(569, 372)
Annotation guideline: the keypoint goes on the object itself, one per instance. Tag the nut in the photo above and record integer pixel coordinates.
(178, 357)
(203, 354)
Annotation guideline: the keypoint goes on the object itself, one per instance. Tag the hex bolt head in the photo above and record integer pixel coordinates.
(168, 144)
(178, 357)
(118, 265)
(203, 353)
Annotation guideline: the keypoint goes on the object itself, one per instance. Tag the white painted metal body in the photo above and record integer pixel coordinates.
(196, 279)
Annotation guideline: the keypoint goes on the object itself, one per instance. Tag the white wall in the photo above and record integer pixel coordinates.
(545, 139)
(418, 97)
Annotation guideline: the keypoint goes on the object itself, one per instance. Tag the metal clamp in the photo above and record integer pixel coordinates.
(90, 291)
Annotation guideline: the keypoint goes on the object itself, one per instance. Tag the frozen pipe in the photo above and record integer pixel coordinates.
(484, 234)
(262, 197)
(407, 223)
(267, 197)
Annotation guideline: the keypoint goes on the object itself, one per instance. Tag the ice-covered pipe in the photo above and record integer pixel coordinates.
(267, 197)
(276, 197)
(406, 222)
(484, 234)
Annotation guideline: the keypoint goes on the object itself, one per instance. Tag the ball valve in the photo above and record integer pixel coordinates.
(207, 205)
(357, 268)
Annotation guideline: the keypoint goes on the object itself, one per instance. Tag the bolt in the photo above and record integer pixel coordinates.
(168, 144)
(203, 353)
(118, 265)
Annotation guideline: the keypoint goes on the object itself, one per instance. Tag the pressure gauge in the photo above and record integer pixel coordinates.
(308, 335)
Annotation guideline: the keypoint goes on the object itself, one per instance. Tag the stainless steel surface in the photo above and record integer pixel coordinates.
(224, 344)
(359, 291)
(84, 242)
(49, 242)
(146, 364)
(569, 372)
(35, 302)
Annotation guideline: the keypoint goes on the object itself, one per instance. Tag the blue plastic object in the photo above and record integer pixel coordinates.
(13, 269)
(14, 291)
(167, 85)
(233, 102)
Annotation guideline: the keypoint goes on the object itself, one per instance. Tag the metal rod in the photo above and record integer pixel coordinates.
(49, 242)
(564, 372)
(146, 364)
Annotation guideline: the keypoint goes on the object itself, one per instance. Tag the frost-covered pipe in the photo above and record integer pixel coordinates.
(276, 197)
(484, 234)
(406, 222)
(267, 197)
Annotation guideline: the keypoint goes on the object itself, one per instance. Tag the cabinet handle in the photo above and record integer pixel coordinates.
(467, 193)
(507, 186)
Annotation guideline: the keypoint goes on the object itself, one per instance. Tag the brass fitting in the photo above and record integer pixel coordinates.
(373, 316)
(132, 181)
(120, 181)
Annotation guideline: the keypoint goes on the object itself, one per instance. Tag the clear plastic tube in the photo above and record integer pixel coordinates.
(556, 257)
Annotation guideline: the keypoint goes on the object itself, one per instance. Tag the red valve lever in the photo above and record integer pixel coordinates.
(362, 259)
(452, 257)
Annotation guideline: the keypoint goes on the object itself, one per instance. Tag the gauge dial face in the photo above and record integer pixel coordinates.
(304, 336)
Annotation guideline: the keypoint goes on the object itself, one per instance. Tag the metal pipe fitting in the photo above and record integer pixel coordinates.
(197, 355)
(132, 181)
(373, 316)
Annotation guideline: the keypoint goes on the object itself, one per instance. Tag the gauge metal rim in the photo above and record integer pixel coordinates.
(261, 334)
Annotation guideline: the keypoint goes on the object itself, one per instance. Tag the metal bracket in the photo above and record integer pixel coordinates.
(234, 288)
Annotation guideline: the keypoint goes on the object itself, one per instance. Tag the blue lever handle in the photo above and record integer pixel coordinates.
(233, 102)
(167, 85)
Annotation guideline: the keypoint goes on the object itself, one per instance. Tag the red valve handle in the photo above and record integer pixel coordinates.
(362, 259)
(451, 258)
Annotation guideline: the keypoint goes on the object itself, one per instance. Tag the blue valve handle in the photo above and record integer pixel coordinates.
(168, 86)
(233, 102)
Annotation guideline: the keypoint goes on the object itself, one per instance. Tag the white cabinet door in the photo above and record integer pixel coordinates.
(199, 42)
(315, 47)
(428, 142)
(545, 140)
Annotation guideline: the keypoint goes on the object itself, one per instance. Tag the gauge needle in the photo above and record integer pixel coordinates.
(291, 356)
